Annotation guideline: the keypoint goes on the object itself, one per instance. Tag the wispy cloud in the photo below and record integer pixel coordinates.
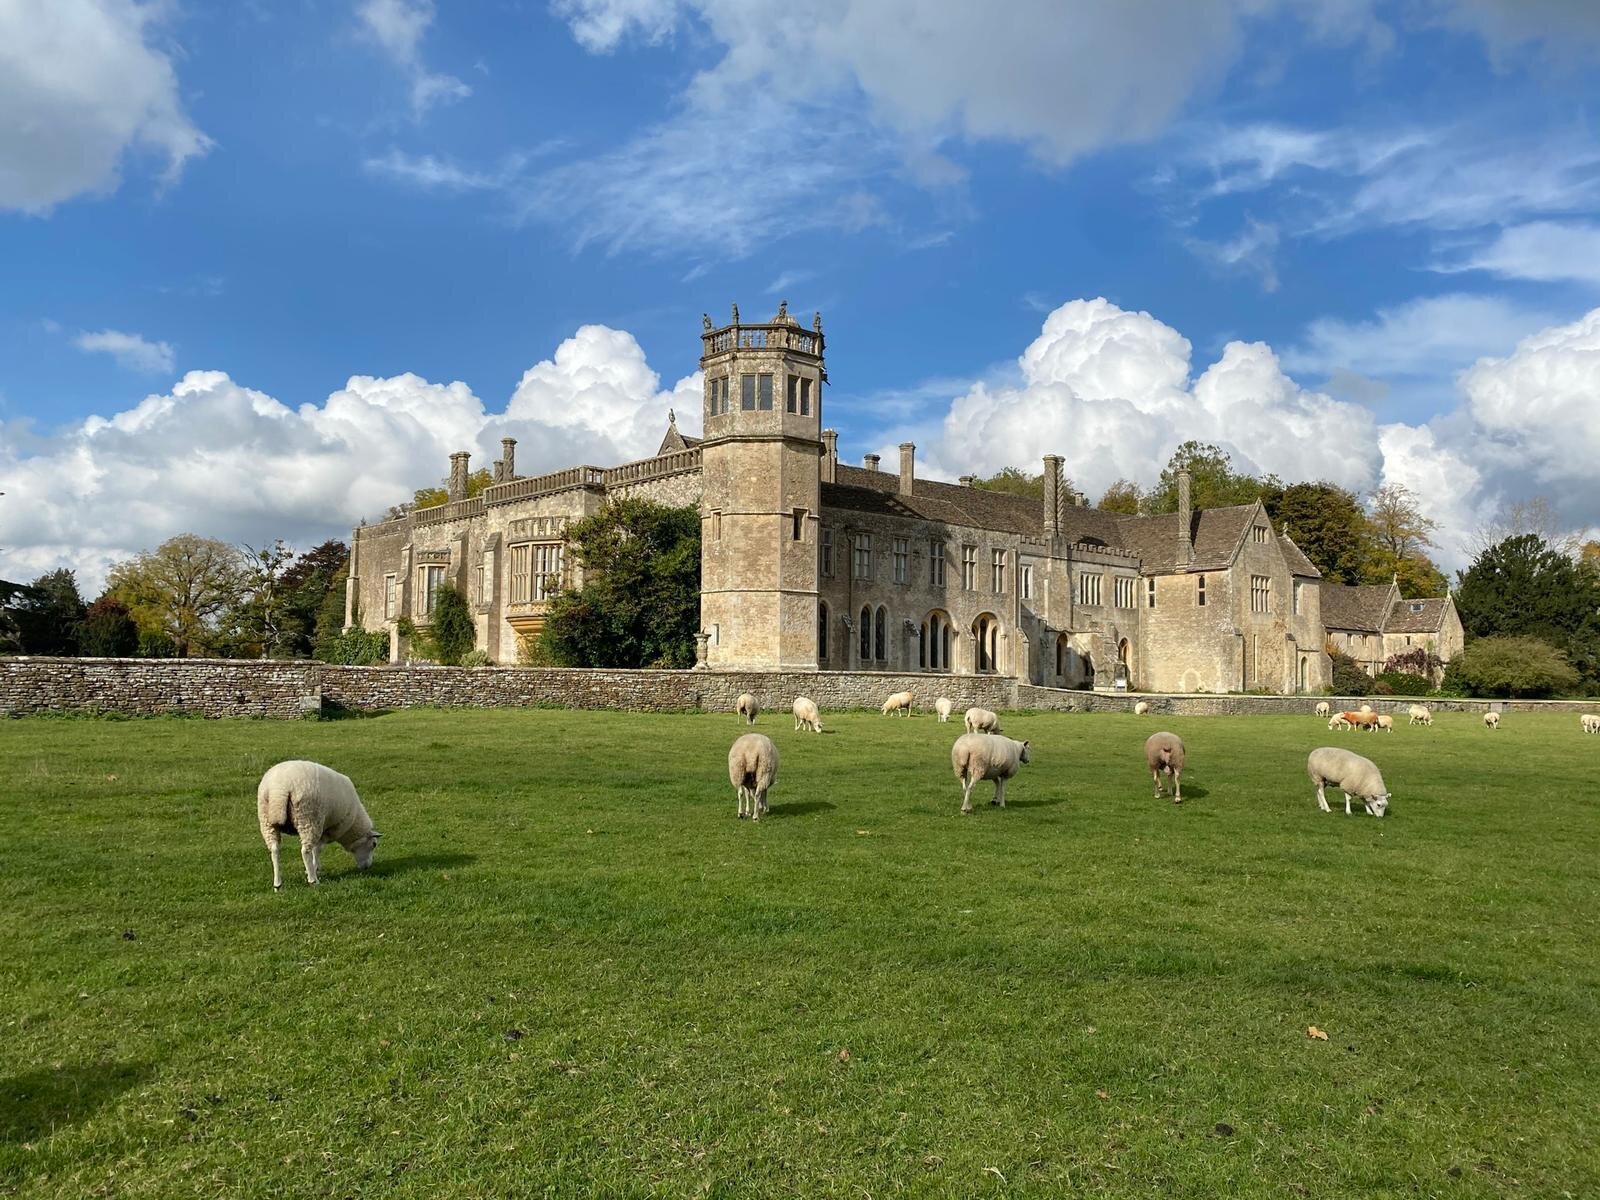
(789, 279)
(1544, 251)
(130, 350)
(397, 28)
(430, 171)
(1252, 252)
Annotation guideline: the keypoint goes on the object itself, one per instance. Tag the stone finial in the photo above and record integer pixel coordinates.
(705, 321)
(735, 314)
(783, 312)
(816, 322)
(672, 417)
(967, 480)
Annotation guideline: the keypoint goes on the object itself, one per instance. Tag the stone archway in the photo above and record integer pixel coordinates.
(986, 638)
(933, 641)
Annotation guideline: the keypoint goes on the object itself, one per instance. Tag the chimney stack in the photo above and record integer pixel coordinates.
(908, 465)
(508, 455)
(830, 454)
(1052, 494)
(458, 475)
(870, 461)
(1185, 522)
(967, 480)
(499, 470)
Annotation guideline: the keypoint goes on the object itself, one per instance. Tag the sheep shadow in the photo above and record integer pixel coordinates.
(802, 809)
(36, 1103)
(332, 710)
(1051, 803)
(382, 868)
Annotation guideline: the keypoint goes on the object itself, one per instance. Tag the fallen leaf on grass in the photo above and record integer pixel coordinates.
(843, 1056)
(1099, 1094)
(1316, 1034)
(863, 833)
(995, 1171)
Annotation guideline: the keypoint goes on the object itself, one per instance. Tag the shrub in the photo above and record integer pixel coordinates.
(1419, 660)
(357, 648)
(449, 633)
(155, 644)
(108, 630)
(1402, 683)
(1511, 666)
(1347, 676)
(476, 658)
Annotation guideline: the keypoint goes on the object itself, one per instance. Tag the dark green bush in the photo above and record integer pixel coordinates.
(1511, 666)
(1402, 683)
(1347, 676)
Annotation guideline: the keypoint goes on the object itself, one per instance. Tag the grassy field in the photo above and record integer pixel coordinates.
(573, 972)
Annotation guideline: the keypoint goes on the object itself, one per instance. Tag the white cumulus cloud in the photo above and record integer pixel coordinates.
(82, 88)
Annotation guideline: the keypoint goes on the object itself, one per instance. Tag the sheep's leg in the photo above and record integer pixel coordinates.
(308, 855)
(1322, 800)
(1000, 792)
(1177, 787)
(272, 840)
(966, 794)
(1155, 777)
(1347, 804)
(758, 803)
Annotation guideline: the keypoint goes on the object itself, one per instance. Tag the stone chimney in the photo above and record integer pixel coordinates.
(967, 480)
(908, 467)
(458, 475)
(508, 455)
(870, 461)
(1052, 494)
(1185, 522)
(830, 454)
(499, 470)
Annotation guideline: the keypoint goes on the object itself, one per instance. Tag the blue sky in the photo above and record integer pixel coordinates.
(264, 265)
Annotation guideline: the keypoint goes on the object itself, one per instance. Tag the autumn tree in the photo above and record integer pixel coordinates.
(1123, 496)
(431, 497)
(1401, 534)
(1016, 482)
(181, 590)
(109, 630)
(1213, 482)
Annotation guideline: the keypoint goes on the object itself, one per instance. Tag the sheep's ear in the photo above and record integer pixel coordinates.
(376, 835)
(1024, 745)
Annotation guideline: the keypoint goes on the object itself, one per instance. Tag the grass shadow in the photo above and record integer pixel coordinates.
(334, 711)
(36, 1103)
(383, 867)
(803, 808)
(1035, 803)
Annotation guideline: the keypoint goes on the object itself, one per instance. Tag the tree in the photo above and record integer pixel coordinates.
(1535, 515)
(181, 590)
(1523, 587)
(49, 614)
(1123, 496)
(1213, 483)
(450, 631)
(1347, 676)
(1510, 666)
(430, 497)
(1328, 523)
(640, 602)
(258, 615)
(1401, 534)
(1016, 482)
(109, 630)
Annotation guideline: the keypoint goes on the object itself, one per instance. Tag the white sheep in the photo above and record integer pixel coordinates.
(317, 805)
(752, 768)
(1323, 708)
(944, 707)
(747, 708)
(978, 756)
(899, 702)
(1338, 721)
(981, 720)
(1163, 753)
(806, 715)
(1491, 720)
(1351, 774)
(1385, 723)
(1365, 707)
(1141, 708)
(1419, 714)
(1590, 723)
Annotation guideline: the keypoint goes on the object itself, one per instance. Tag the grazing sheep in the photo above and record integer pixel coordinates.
(1590, 723)
(1351, 774)
(944, 708)
(1141, 708)
(752, 767)
(981, 720)
(806, 715)
(1492, 720)
(1386, 722)
(318, 805)
(1323, 708)
(1365, 707)
(978, 756)
(1164, 754)
(1337, 721)
(1361, 720)
(1418, 714)
(747, 707)
(899, 702)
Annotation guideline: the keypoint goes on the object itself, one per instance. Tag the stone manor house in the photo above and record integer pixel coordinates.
(810, 564)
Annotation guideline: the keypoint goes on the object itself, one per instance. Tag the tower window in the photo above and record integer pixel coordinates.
(1025, 580)
(716, 525)
(719, 395)
(805, 397)
(827, 552)
(747, 393)
(1200, 591)
(799, 524)
(1150, 592)
(764, 392)
(792, 401)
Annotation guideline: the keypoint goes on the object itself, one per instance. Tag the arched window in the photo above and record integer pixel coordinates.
(933, 642)
(879, 640)
(1063, 651)
(866, 635)
(822, 633)
(986, 630)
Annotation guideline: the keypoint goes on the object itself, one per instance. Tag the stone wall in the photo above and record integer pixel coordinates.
(239, 688)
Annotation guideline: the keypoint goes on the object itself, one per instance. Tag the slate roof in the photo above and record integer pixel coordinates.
(1299, 564)
(676, 441)
(1361, 609)
(1428, 617)
(1217, 533)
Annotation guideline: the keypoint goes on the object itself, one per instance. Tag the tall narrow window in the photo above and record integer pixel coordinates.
(969, 568)
(1089, 589)
(822, 632)
(799, 524)
(866, 635)
(521, 557)
(805, 397)
(936, 563)
(477, 582)
(879, 641)
(1122, 586)
(1296, 599)
(764, 392)
(747, 393)
(432, 580)
(1025, 580)
(1261, 593)
(716, 524)
(791, 403)
(1150, 592)
(997, 572)
(391, 596)
(546, 570)
(827, 552)
(1200, 591)
(902, 560)
(863, 561)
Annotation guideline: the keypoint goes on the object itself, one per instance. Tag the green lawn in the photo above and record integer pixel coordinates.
(573, 972)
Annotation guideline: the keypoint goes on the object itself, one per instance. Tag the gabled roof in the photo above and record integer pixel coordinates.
(1361, 609)
(1299, 564)
(1217, 534)
(1418, 616)
(675, 440)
